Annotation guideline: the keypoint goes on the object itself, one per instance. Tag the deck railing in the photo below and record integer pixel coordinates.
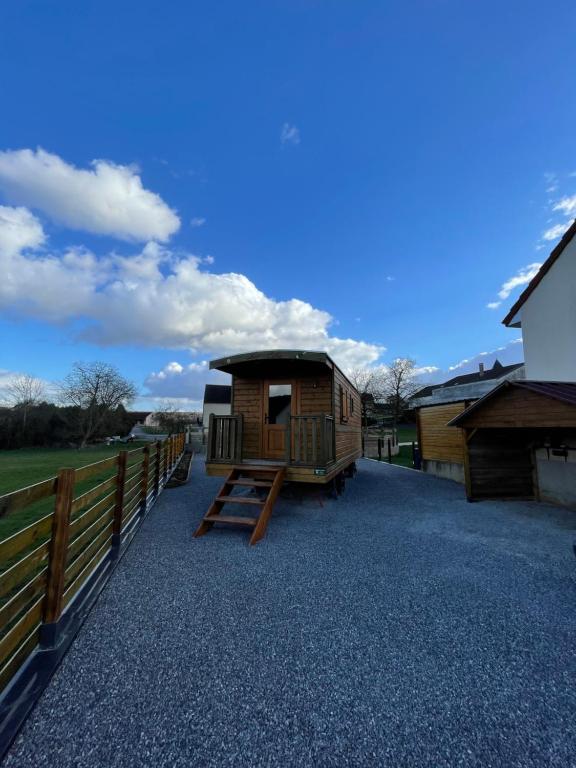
(85, 517)
(224, 439)
(312, 442)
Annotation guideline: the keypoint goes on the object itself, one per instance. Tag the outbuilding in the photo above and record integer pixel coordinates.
(520, 442)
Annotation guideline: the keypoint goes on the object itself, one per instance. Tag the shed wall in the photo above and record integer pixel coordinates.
(439, 442)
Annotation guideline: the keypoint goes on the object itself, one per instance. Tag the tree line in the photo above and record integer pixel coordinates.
(91, 405)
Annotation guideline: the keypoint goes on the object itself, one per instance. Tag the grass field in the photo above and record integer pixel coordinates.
(26, 467)
(404, 457)
(407, 433)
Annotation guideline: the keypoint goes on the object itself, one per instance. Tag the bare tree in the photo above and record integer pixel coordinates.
(399, 383)
(370, 383)
(171, 419)
(96, 389)
(23, 392)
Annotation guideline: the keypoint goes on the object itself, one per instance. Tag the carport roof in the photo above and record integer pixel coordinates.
(564, 391)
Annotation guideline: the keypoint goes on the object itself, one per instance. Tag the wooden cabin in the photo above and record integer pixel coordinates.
(520, 442)
(443, 448)
(293, 409)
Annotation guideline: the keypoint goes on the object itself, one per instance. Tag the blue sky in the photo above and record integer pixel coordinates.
(390, 165)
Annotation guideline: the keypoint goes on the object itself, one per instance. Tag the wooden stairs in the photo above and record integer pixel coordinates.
(252, 476)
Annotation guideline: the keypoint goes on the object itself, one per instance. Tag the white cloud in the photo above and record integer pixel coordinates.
(185, 382)
(567, 206)
(426, 370)
(522, 277)
(157, 298)
(197, 221)
(556, 231)
(508, 354)
(290, 134)
(19, 229)
(108, 199)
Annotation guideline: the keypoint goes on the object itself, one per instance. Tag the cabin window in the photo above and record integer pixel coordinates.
(344, 403)
(351, 410)
(279, 403)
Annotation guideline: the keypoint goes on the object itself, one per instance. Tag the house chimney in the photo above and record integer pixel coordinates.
(481, 368)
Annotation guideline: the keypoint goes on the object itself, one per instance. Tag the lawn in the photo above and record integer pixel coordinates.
(26, 467)
(404, 457)
(407, 433)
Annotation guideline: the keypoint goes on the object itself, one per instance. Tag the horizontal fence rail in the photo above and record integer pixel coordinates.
(46, 564)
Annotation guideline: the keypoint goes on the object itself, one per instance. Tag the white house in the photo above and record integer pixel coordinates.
(217, 400)
(546, 312)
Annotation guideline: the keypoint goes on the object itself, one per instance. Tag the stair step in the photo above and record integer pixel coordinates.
(248, 482)
(239, 500)
(231, 520)
(249, 469)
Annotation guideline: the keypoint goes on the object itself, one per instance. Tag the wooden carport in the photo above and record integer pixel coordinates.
(504, 430)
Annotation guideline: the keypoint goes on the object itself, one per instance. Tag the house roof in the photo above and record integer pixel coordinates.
(220, 394)
(544, 269)
(557, 390)
(496, 372)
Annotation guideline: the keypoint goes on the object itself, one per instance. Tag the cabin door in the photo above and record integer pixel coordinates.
(279, 397)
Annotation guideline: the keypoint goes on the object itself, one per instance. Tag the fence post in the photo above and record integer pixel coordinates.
(119, 503)
(389, 452)
(165, 451)
(157, 469)
(59, 546)
(145, 477)
(379, 449)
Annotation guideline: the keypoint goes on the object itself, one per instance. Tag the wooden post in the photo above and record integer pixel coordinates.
(389, 452)
(379, 449)
(210, 448)
(59, 545)
(145, 478)
(119, 500)
(165, 451)
(157, 469)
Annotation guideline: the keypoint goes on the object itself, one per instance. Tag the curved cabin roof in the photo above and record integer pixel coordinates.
(276, 363)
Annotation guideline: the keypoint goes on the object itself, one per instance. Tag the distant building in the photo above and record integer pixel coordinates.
(468, 386)
(217, 400)
(442, 448)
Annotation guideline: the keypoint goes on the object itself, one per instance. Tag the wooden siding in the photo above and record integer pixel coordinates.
(439, 442)
(348, 434)
(517, 407)
(315, 395)
(247, 400)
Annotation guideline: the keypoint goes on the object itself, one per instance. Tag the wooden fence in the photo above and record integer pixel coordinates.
(44, 566)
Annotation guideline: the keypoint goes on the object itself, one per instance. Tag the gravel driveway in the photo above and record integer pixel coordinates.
(396, 626)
